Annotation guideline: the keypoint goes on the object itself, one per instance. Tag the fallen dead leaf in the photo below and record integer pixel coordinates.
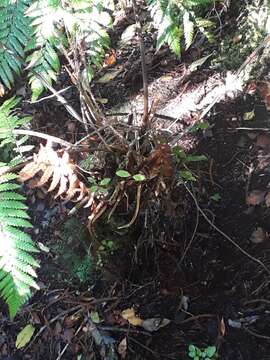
(258, 236)
(24, 336)
(222, 328)
(255, 197)
(109, 76)
(154, 324)
(131, 317)
(263, 141)
(57, 329)
(110, 58)
(122, 348)
(267, 199)
(264, 90)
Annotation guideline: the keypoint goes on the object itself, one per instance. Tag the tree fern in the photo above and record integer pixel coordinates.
(15, 31)
(17, 265)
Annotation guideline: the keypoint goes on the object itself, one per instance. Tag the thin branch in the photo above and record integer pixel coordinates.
(225, 235)
(42, 136)
(50, 96)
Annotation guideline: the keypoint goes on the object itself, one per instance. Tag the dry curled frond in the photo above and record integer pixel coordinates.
(58, 168)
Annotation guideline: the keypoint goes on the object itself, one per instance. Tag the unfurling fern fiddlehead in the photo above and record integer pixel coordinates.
(17, 265)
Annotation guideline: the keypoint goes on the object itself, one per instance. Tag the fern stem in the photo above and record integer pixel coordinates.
(43, 136)
(144, 69)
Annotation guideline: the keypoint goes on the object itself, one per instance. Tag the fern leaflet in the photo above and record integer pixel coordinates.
(15, 31)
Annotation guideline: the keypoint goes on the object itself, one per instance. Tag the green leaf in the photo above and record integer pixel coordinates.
(195, 158)
(187, 175)
(123, 173)
(216, 197)
(94, 315)
(211, 351)
(139, 177)
(24, 336)
(105, 181)
(178, 153)
(199, 126)
(94, 188)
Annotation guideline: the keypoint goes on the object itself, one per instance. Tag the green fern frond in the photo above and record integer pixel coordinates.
(46, 17)
(175, 18)
(188, 26)
(193, 3)
(169, 32)
(8, 122)
(17, 266)
(15, 31)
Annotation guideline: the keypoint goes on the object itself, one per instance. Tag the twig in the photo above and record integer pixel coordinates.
(192, 238)
(50, 96)
(144, 70)
(125, 330)
(253, 333)
(53, 320)
(145, 347)
(42, 136)
(59, 97)
(68, 343)
(225, 235)
(197, 317)
(249, 129)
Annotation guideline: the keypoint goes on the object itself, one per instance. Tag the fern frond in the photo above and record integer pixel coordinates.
(8, 122)
(169, 32)
(188, 26)
(174, 18)
(45, 19)
(17, 266)
(15, 31)
(90, 23)
(193, 3)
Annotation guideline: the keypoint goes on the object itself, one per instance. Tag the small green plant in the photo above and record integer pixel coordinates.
(208, 353)
(216, 197)
(126, 174)
(183, 159)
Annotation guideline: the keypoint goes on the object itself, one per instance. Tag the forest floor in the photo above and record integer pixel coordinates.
(204, 261)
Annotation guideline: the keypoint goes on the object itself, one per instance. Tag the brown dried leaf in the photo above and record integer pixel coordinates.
(160, 162)
(255, 197)
(29, 171)
(56, 179)
(45, 176)
(267, 199)
(263, 141)
(222, 327)
(258, 236)
(131, 317)
(58, 166)
(122, 348)
(264, 90)
(62, 187)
